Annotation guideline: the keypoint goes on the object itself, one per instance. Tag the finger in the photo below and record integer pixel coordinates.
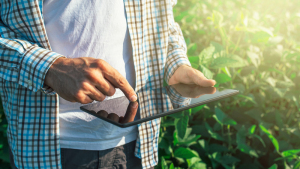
(87, 100)
(118, 81)
(199, 79)
(113, 117)
(131, 112)
(95, 94)
(102, 113)
(83, 98)
(121, 119)
(105, 87)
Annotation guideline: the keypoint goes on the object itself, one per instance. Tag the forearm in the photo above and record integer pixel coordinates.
(25, 65)
(176, 56)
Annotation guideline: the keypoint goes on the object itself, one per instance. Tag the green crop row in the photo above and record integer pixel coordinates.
(249, 45)
(252, 46)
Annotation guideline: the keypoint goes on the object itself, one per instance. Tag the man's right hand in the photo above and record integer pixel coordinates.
(86, 79)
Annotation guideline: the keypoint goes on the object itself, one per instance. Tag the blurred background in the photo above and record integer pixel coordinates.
(249, 45)
(252, 46)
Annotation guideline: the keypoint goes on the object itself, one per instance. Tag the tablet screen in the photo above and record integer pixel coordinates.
(155, 103)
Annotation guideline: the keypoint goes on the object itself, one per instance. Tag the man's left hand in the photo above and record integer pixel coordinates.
(188, 75)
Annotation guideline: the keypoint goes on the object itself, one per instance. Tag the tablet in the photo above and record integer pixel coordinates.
(155, 103)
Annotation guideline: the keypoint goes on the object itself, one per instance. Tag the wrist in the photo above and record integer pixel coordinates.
(50, 75)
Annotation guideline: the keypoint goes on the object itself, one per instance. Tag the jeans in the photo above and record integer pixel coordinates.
(121, 157)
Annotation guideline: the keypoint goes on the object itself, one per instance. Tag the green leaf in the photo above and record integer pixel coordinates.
(206, 55)
(218, 46)
(163, 163)
(171, 166)
(216, 148)
(260, 139)
(241, 142)
(181, 126)
(199, 165)
(229, 159)
(212, 133)
(266, 30)
(223, 118)
(203, 143)
(194, 59)
(226, 71)
(198, 108)
(283, 84)
(167, 123)
(275, 40)
(271, 81)
(191, 48)
(274, 166)
(232, 61)
(164, 144)
(192, 161)
(277, 92)
(177, 115)
(189, 140)
(290, 152)
(185, 153)
(195, 65)
(206, 72)
(217, 18)
(252, 129)
(222, 78)
(297, 165)
(247, 149)
(175, 137)
(181, 15)
(271, 137)
(251, 99)
(254, 58)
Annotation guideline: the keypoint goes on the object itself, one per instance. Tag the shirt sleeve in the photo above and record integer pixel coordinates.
(176, 46)
(24, 62)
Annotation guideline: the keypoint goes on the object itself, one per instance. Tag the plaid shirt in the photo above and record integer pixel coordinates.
(31, 108)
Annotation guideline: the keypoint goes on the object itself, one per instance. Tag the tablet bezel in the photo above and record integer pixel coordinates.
(162, 114)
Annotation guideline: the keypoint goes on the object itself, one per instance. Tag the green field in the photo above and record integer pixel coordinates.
(252, 46)
(249, 45)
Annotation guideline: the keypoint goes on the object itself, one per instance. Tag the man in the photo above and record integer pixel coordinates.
(38, 83)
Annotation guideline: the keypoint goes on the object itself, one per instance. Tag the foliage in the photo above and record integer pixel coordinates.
(252, 46)
(249, 45)
(4, 149)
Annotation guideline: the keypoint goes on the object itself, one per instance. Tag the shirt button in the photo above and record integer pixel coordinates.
(29, 82)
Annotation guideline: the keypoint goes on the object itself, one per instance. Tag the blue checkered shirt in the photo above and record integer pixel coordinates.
(31, 108)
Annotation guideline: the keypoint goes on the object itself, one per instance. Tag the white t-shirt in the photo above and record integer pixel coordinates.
(98, 29)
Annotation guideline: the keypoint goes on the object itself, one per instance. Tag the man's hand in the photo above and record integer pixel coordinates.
(187, 75)
(86, 79)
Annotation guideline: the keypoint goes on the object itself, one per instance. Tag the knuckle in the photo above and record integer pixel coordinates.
(111, 92)
(101, 63)
(79, 97)
(84, 85)
(92, 75)
(121, 82)
(101, 98)
(191, 73)
(83, 102)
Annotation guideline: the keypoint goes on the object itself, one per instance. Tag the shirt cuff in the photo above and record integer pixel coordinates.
(176, 58)
(34, 66)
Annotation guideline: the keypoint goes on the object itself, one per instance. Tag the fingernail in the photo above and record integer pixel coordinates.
(134, 104)
(133, 98)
